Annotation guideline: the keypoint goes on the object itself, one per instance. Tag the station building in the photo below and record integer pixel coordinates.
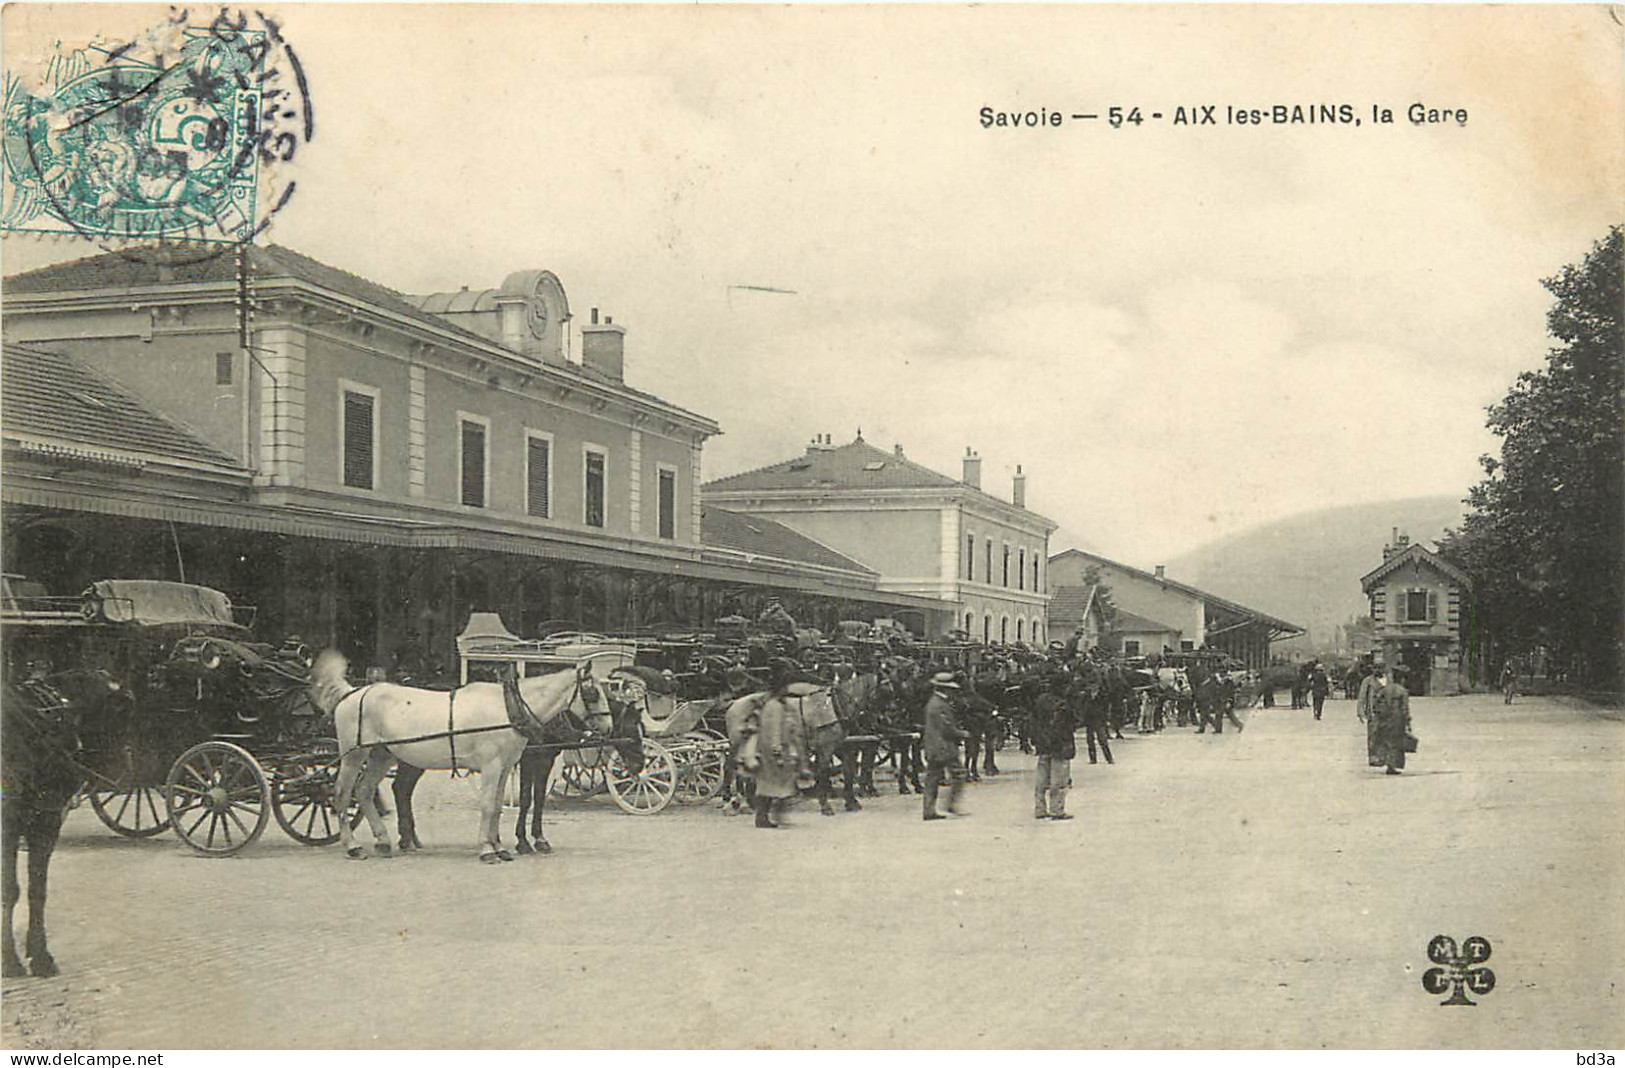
(367, 467)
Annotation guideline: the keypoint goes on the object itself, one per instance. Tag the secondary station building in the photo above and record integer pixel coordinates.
(977, 561)
(1157, 614)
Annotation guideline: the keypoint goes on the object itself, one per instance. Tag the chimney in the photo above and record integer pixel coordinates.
(1161, 572)
(1018, 489)
(603, 347)
(897, 451)
(820, 443)
(973, 469)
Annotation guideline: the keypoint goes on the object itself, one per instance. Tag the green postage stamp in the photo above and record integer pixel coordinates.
(174, 136)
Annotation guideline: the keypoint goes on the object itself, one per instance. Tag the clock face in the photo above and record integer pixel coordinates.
(537, 314)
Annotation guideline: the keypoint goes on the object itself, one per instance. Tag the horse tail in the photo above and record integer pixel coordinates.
(328, 683)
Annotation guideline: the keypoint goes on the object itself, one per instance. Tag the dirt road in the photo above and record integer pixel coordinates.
(1261, 889)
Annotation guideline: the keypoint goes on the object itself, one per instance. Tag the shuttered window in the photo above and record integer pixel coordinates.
(970, 562)
(1416, 606)
(538, 457)
(1021, 579)
(358, 431)
(988, 571)
(595, 490)
(668, 504)
(1005, 573)
(473, 464)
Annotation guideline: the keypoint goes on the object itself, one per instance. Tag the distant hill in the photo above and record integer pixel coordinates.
(1306, 568)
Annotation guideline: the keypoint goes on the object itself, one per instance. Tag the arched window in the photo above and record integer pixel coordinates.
(1019, 622)
(987, 629)
(968, 618)
(1004, 629)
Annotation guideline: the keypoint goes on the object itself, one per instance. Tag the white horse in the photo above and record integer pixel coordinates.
(380, 723)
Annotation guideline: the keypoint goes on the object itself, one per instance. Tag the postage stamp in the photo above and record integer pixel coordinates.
(180, 135)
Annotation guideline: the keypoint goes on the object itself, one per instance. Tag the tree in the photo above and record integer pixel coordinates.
(1103, 596)
(1544, 535)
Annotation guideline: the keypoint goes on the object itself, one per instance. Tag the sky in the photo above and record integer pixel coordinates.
(1179, 332)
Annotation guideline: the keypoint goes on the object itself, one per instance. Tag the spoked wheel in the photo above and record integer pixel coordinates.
(648, 791)
(219, 798)
(699, 772)
(302, 798)
(573, 780)
(132, 809)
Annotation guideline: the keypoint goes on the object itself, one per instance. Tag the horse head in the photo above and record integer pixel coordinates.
(50, 718)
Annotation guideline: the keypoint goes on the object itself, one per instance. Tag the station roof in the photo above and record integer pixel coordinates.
(1129, 623)
(763, 537)
(857, 465)
(130, 269)
(54, 397)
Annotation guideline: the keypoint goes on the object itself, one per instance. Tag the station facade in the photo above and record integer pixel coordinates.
(366, 467)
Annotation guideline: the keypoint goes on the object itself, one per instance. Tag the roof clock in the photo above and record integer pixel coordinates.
(539, 313)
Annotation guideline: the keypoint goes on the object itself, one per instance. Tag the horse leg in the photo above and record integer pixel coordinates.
(406, 781)
(539, 778)
(527, 788)
(10, 965)
(379, 761)
(43, 830)
(851, 773)
(351, 765)
(496, 812)
(491, 779)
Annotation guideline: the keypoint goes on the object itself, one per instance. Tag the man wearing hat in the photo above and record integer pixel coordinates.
(942, 740)
(1053, 730)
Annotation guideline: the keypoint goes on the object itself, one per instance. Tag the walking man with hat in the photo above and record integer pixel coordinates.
(1053, 738)
(943, 736)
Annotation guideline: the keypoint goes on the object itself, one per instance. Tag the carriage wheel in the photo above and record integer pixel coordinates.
(135, 811)
(219, 798)
(699, 772)
(651, 789)
(302, 798)
(573, 780)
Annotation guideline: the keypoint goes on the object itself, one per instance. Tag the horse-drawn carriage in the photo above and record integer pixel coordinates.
(201, 728)
(683, 758)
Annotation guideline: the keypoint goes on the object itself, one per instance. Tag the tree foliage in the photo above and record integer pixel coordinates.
(1103, 596)
(1546, 528)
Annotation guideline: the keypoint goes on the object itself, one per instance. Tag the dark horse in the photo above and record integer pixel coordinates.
(535, 769)
(39, 774)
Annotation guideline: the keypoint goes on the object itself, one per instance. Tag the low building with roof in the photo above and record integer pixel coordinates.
(367, 467)
(1172, 613)
(1076, 611)
(1420, 603)
(977, 557)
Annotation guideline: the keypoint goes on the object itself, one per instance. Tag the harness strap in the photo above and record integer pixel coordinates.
(451, 729)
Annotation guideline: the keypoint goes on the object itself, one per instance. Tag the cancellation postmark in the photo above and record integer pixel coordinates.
(184, 134)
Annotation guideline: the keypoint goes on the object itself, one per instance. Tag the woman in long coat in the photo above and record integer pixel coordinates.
(1391, 719)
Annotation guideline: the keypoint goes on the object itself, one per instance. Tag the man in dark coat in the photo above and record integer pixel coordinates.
(942, 740)
(1089, 705)
(1319, 687)
(1053, 727)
